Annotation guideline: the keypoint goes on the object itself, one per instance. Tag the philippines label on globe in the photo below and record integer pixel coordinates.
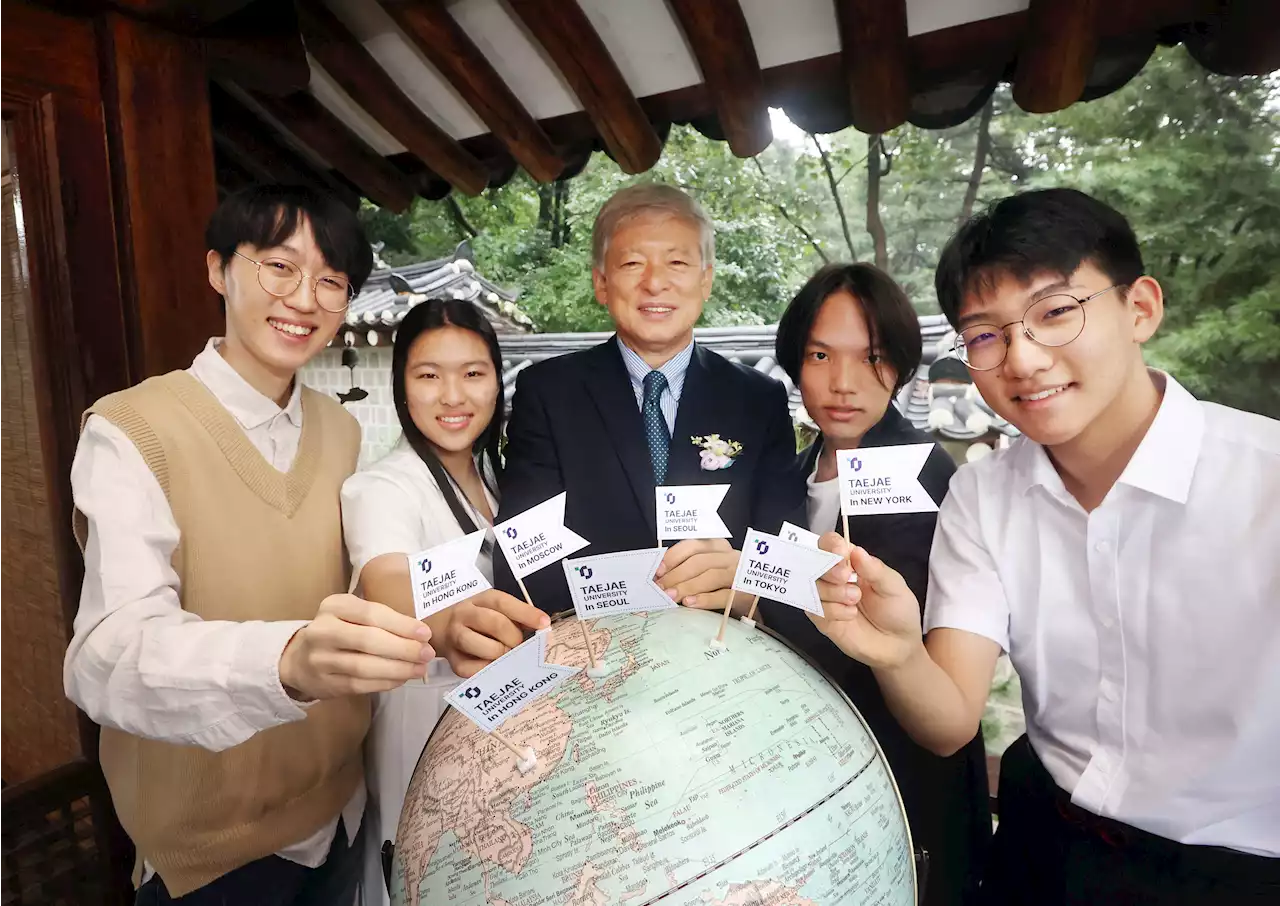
(689, 775)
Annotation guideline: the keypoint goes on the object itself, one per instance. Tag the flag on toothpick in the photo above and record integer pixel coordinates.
(797, 535)
(446, 574)
(689, 511)
(537, 536)
(616, 583)
(510, 684)
(883, 480)
(782, 570)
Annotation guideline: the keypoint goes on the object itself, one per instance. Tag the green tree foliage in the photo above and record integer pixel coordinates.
(1190, 157)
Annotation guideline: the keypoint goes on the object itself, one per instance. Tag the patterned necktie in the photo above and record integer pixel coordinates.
(655, 426)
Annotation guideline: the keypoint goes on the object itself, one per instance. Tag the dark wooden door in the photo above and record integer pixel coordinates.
(65, 342)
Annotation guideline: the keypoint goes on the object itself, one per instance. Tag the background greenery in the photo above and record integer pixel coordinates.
(1190, 157)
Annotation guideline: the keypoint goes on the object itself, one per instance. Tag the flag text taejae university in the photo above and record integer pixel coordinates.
(510, 684)
(446, 574)
(883, 480)
(537, 536)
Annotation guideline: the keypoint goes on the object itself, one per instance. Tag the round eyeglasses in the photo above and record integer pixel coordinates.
(1052, 321)
(280, 277)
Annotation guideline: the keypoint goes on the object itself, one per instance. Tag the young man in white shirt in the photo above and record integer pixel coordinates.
(1123, 552)
(214, 641)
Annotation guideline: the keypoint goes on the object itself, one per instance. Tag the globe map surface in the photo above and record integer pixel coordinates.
(688, 775)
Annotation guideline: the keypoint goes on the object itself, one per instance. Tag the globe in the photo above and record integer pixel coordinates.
(734, 776)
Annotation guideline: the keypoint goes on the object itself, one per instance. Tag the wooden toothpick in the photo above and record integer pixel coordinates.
(718, 641)
(586, 637)
(751, 614)
(526, 758)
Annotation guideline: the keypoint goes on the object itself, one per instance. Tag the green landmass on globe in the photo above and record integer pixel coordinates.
(688, 775)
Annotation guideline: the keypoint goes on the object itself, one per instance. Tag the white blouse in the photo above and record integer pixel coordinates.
(394, 506)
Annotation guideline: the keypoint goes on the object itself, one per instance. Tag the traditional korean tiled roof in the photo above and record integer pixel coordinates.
(379, 308)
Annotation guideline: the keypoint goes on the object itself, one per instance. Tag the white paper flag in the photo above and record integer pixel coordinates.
(537, 537)
(616, 583)
(446, 574)
(689, 511)
(797, 535)
(883, 480)
(782, 570)
(510, 684)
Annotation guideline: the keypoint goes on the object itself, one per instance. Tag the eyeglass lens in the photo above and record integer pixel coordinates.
(1051, 321)
(280, 277)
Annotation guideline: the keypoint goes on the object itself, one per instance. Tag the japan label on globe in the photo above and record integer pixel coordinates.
(689, 776)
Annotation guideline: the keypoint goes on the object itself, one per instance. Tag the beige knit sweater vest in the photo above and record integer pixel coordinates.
(256, 544)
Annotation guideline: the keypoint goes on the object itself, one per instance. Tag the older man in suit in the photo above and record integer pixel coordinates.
(610, 423)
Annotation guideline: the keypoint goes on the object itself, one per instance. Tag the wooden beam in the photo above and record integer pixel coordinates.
(259, 47)
(157, 102)
(442, 41)
(1243, 39)
(247, 143)
(369, 85)
(873, 51)
(321, 133)
(1056, 55)
(718, 34)
(566, 34)
(189, 14)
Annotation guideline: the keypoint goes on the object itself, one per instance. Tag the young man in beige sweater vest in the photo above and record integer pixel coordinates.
(215, 642)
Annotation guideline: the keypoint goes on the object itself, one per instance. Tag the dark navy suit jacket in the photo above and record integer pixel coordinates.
(575, 427)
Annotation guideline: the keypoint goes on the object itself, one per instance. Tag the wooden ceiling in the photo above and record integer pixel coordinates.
(390, 99)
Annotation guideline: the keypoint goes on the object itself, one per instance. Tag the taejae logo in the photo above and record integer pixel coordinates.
(510, 532)
(855, 463)
(792, 536)
(583, 572)
(762, 547)
(425, 565)
(671, 498)
(473, 692)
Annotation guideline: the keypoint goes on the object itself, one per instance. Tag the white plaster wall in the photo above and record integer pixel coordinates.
(376, 413)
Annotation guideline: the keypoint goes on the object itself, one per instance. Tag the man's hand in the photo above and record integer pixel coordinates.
(473, 633)
(876, 620)
(353, 647)
(696, 573)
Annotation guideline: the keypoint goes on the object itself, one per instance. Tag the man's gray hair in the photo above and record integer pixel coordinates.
(643, 198)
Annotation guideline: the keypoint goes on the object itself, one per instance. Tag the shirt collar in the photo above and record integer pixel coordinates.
(1164, 463)
(673, 370)
(249, 407)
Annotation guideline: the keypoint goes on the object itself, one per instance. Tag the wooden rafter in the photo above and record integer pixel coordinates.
(1056, 55)
(1243, 39)
(324, 135)
(442, 41)
(873, 50)
(242, 139)
(369, 85)
(259, 47)
(566, 34)
(718, 34)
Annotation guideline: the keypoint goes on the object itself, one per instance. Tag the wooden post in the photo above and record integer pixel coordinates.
(157, 103)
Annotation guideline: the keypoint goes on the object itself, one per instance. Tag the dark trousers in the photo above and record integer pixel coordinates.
(1047, 852)
(273, 881)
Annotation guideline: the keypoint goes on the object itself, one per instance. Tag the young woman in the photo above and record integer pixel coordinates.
(436, 485)
(850, 340)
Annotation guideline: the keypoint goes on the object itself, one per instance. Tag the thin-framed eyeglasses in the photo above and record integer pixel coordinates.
(1052, 321)
(280, 277)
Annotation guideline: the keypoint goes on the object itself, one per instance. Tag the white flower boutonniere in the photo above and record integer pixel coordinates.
(717, 452)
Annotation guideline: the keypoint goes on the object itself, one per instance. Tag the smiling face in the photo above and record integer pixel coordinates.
(1061, 395)
(654, 283)
(268, 338)
(451, 388)
(844, 382)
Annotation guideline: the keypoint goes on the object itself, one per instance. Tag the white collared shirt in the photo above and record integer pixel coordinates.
(139, 662)
(1147, 632)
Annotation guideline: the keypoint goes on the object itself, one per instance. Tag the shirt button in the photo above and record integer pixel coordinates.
(1107, 622)
(1102, 547)
(1108, 690)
